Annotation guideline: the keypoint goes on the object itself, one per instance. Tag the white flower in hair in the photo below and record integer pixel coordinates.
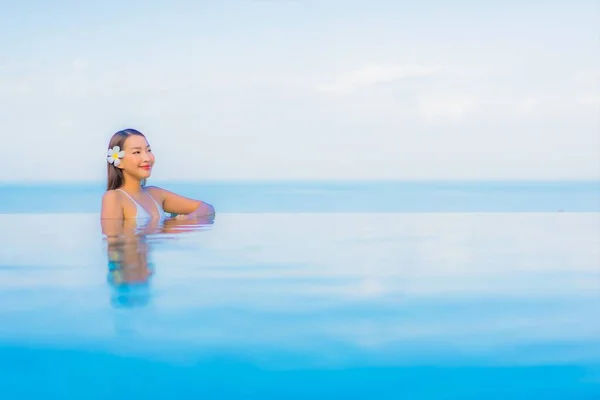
(114, 156)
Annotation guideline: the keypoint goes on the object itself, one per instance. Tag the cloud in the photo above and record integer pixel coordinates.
(255, 94)
(376, 74)
(444, 108)
(460, 93)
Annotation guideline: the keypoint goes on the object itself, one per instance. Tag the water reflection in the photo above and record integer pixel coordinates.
(129, 252)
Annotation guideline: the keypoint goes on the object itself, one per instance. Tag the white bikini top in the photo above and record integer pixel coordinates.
(141, 211)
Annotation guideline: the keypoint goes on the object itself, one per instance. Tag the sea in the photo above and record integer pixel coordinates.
(305, 290)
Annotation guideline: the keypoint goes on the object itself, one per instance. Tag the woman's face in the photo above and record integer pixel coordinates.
(138, 160)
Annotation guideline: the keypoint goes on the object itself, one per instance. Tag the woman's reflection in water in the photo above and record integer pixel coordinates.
(130, 266)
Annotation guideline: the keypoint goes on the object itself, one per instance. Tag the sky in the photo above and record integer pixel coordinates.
(303, 89)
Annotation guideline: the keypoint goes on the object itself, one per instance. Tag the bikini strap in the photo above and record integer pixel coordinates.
(155, 202)
(127, 194)
(138, 205)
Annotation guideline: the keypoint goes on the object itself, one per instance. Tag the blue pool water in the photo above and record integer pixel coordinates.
(494, 295)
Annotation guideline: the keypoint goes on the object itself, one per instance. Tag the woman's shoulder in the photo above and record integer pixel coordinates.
(112, 206)
(112, 196)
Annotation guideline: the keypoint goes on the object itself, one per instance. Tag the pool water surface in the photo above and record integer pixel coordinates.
(302, 305)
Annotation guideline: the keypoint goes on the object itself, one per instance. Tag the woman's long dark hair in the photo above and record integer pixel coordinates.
(115, 175)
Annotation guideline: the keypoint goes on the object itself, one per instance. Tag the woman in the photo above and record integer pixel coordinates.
(130, 162)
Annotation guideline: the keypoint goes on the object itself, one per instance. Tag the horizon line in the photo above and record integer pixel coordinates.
(279, 181)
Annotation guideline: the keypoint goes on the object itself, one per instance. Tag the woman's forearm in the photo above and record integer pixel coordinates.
(203, 210)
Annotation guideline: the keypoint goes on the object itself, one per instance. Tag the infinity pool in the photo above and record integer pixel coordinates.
(302, 305)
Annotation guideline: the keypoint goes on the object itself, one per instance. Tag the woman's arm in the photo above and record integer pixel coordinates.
(111, 206)
(177, 204)
(111, 215)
